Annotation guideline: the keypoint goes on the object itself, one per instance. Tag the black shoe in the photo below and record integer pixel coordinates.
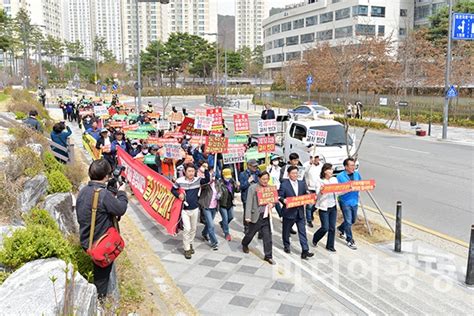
(187, 254)
(269, 260)
(341, 234)
(331, 249)
(245, 249)
(287, 250)
(310, 224)
(205, 237)
(315, 244)
(306, 255)
(292, 231)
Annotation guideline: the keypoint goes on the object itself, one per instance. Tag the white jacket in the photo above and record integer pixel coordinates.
(325, 201)
(311, 175)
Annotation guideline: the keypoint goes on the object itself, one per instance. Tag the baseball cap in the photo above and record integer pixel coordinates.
(103, 130)
(273, 157)
(227, 173)
(252, 162)
(135, 142)
(154, 147)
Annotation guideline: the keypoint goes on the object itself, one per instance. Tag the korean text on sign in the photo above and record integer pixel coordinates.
(203, 123)
(241, 124)
(216, 144)
(317, 137)
(217, 118)
(266, 144)
(172, 151)
(267, 126)
(267, 195)
(300, 200)
(233, 157)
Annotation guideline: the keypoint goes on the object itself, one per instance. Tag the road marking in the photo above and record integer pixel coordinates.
(413, 150)
(422, 228)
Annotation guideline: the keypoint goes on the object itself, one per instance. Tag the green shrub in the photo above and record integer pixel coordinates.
(51, 164)
(42, 239)
(58, 182)
(3, 276)
(20, 115)
(40, 217)
(362, 123)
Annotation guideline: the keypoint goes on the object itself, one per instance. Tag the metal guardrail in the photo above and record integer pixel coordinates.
(69, 149)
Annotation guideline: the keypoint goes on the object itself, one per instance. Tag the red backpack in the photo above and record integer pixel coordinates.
(108, 247)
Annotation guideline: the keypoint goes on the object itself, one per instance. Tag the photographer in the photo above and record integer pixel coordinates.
(59, 136)
(108, 208)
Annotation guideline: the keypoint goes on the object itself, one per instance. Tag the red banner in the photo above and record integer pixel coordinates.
(161, 141)
(267, 195)
(153, 191)
(174, 134)
(217, 118)
(296, 201)
(187, 127)
(241, 124)
(266, 144)
(363, 185)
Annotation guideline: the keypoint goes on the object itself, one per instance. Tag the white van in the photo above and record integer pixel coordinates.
(335, 150)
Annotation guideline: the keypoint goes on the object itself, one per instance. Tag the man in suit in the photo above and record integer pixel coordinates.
(289, 188)
(268, 113)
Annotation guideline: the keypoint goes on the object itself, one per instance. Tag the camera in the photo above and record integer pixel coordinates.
(117, 179)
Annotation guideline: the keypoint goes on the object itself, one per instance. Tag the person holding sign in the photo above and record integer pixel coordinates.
(258, 218)
(348, 202)
(296, 215)
(326, 206)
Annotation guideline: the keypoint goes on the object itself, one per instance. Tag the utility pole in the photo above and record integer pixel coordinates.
(447, 74)
(225, 67)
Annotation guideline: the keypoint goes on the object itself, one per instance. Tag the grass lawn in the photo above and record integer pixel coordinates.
(3, 97)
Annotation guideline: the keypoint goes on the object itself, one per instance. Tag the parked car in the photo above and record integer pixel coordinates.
(308, 110)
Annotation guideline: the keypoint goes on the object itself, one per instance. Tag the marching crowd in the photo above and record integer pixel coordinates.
(206, 185)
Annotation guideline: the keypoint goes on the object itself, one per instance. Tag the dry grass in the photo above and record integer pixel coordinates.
(76, 173)
(9, 191)
(24, 135)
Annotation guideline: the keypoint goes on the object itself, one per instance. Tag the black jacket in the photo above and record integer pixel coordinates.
(108, 207)
(268, 115)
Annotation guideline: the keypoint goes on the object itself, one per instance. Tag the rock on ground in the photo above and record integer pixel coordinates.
(31, 291)
(37, 148)
(33, 190)
(60, 207)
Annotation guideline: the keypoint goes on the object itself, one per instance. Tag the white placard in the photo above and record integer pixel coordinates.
(100, 110)
(233, 157)
(267, 126)
(203, 122)
(383, 101)
(163, 125)
(317, 137)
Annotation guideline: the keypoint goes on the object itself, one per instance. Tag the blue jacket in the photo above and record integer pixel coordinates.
(285, 191)
(350, 198)
(197, 156)
(33, 123)
(114, 144)
(61, 139)
(95, 134)
(244, 177)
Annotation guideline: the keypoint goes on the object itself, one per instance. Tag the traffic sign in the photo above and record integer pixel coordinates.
(114, 87)
(104, 88)
(463, 26)
(451, 93)
(309, 80)
(403, 104)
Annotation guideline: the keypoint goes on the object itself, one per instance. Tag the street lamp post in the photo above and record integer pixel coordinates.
(217, 62)
(447, 74)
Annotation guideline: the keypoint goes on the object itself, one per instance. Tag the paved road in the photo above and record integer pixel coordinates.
(434, 180)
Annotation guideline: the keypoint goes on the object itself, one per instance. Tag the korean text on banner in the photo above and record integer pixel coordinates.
(267, 195)
(363, 185)
(317, 137)
(217, 118)
(101, 110)
(233, 157)
(89, 144)
(203, 122)
(241, 124)
(163, 125)
(187, 127)
(267, 126)
(153, 191)
(216, 145)
(300, 200)
(266, 144)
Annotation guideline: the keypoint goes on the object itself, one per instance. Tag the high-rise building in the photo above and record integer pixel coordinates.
(338, 22)
(44, 13)
(77, 17)
(197, 17)
(153, 26)
(107, 17)
(249, 16)
(425, 8)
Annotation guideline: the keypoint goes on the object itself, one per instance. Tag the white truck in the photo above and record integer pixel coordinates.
(295, 141)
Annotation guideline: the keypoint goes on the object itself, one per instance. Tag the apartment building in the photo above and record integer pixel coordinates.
(425, 8)
(249, 16)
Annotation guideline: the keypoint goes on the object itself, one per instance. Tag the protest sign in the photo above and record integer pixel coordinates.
(203, 122)
(89, 144)
(161, 141)
(117, 124)
(163, 125)
(300, 200)
(241, 124)
(119, 117)
(217, 118)
(176, 117)
(187, 127)
(153, 191)
(149, 159)
(351, 186)
(174, 134)
(172, 151)
(363, 185)
(336, 188)
(146, 128)
(216, 144)
(236, 147)
(233, 157)
(317, 137)
(197, 140)
(267, 195)
(136, 135)
(266, 144)
(101, 110)
(133, 127)
(238, 140)
(267, 126)
(154, 115)
(86, 112)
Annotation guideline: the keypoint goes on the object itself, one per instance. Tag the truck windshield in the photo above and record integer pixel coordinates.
(336, 135)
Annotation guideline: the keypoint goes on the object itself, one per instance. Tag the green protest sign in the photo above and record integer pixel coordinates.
(254, 154)
(119, 117)
(149, 159)
(238, 140)
(136, 135)
(132, 116)
(146, 128)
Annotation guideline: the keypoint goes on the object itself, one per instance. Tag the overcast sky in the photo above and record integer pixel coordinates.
(227, 7)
